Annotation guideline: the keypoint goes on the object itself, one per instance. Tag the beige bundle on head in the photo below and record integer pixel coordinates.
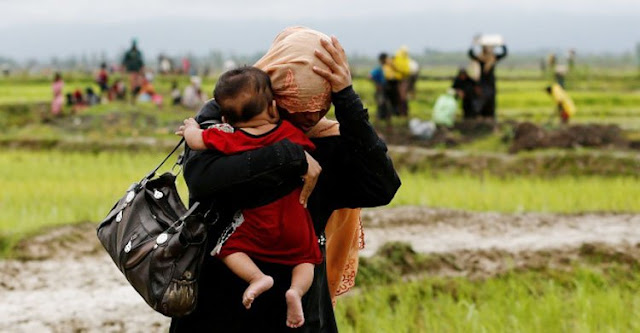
(289, 63)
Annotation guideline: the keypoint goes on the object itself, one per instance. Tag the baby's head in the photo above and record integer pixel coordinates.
(243, 93)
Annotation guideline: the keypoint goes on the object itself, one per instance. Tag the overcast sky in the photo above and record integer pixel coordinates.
(45, 28)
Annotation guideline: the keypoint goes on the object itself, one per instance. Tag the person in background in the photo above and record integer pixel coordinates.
(102, 79)
(78, 98)
(92, 98)
(487, 82)
(133, 64)
(117, 91)
(571, 59)
(193, 96)
(414, 73)
(164, 64)
(566, 108)
(58, 100)
(401, 63)
(186, 66)
(78, 101)
(382, 102)
(391, 88)
(559, 74)
(176, 96)
(148, 92)
(70, 101)
(465, 90)
(551, 61)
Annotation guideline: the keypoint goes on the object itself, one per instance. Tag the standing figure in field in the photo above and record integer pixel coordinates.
(392, 86)
(381, 95)
(487, 60)
(102, 79)
(280, 231)
(465, 90)
(133, 63)
(402, 65)
(58, 100)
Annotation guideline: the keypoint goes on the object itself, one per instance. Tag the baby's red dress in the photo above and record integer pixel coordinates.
(279, 232)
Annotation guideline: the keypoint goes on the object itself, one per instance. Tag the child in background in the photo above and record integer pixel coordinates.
(103, 79)
(281, 231)
(58, 100)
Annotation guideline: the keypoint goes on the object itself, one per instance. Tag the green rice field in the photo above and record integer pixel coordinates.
(44, 188)
(58, 171)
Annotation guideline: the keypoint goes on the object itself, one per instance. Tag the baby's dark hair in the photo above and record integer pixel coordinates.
(243, 93)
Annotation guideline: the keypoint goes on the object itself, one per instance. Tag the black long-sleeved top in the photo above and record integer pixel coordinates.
(356, 172)
(488, 77)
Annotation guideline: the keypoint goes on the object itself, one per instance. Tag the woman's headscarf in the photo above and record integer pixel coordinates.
(289, 63)
(297, 88)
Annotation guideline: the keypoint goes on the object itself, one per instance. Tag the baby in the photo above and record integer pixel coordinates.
(279, 232)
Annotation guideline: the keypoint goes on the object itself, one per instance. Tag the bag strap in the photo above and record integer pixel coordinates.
(180, 160)
(153, 173)
(180, 220)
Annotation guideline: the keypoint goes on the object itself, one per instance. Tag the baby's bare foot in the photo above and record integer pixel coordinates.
(295, 316)
(255, 288)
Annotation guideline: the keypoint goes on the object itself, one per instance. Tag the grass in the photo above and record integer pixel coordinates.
(44, 188)
(582, 300)
(595, 291)
(563, 194)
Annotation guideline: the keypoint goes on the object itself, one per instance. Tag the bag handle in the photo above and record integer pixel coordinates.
(153, 172)
(204, 124)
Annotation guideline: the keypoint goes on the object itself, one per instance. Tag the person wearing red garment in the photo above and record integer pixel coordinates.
(281, 231)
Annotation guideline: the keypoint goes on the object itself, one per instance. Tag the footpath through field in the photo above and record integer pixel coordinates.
(66, 282)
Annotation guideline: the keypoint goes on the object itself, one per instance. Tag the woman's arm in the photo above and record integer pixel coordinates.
(210, 173)
(503, 54)
(472, 55)
(360, 172)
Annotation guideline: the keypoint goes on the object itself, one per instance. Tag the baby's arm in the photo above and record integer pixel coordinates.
(192, 134)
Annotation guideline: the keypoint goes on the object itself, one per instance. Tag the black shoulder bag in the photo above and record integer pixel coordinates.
(157, 243)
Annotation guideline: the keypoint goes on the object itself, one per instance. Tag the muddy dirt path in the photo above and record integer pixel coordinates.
(66, 282)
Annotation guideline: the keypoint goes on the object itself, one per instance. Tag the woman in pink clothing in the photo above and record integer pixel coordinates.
(58, 98)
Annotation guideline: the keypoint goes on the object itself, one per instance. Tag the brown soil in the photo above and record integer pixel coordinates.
(528, 136)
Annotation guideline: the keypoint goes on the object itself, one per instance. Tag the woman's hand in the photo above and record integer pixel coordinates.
(310, 179)
(340, 76)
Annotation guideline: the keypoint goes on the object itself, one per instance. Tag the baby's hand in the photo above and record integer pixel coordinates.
(188, 123)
